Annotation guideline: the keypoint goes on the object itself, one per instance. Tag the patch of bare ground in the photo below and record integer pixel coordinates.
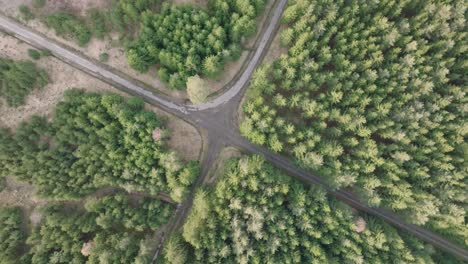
(275, 50)
(20, 194)
(184, 138)
(218, 168)
(42, 102)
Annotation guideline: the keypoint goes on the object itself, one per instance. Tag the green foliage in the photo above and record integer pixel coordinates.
(12, 237)
(179, 179)
(196, 222)
(256, 214)
(61, 236)
(118, 209)
(18, 79)
(7, 148)
(126, 14)
(98, 23)
(373, 96)
(111, 247)
(39, 3)
(68, 25)
(2, 183)
(25, 12)
(94, 141)
(183, 40)
(34, 54)
(237, 16)
(165, 40)
(175, 251)
(46, 52)
(104, 57)
(111, 230)
(187, 41)
(445, 258)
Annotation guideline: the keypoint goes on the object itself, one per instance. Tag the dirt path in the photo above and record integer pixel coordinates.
(224, 131)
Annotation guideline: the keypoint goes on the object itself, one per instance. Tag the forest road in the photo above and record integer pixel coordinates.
(98, 70)
(218, 117)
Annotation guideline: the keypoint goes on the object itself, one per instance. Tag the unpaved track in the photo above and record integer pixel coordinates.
(217, 117)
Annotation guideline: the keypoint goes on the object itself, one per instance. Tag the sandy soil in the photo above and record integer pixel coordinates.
(184, 138)
(112, 46)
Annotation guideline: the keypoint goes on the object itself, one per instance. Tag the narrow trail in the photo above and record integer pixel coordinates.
(218, 118)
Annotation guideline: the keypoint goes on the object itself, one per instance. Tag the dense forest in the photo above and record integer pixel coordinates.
(373, 96)
(112, 229)
(92, 142)
(257, 214)
(117, 209)
(18, 79)
(183, 40)
(12, 238)
(187, 40)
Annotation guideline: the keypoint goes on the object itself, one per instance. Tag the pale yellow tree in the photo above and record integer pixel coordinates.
(197, 89)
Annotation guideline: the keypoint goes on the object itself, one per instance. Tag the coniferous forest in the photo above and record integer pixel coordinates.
(12, 237)
(182, 40)
(373, 96)
(368, 95)
(257, 214)
(95, 141)
(112, 229)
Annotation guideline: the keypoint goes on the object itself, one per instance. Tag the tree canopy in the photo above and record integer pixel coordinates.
(68, 25)
(373, 96)
(182, 40)
(12, 238)
(95, 141)
(141, 215)
(196, 89)
(256, 214)
(18, 79)
(110, 230)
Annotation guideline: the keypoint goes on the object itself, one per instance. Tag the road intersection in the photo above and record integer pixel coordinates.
(218, 119)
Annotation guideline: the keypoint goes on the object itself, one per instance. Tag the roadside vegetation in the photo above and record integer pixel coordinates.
(374, 97)
(92, 142)
(181, 40)
(257, 214)
(18, 79)
(68, 25)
